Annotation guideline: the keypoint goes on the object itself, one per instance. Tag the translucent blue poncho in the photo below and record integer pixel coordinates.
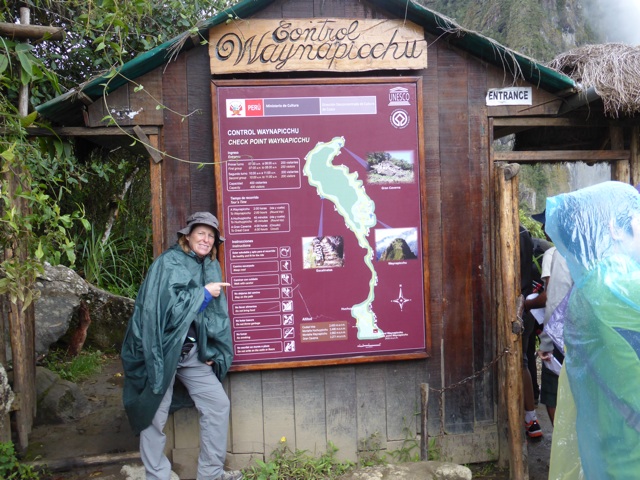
(597, 430)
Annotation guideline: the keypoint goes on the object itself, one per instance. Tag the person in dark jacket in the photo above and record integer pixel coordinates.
(180, 330)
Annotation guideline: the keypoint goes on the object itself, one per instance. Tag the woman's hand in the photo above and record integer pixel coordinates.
(215, 288)
(544, 356)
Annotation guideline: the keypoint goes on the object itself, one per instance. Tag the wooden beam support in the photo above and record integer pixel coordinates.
(620, 170)
(530, 122)
(635, 155)
(31, 32)
(506, 293)
(89, 132)
(71, 463)
(157, 201)
(587, 156)
(153, 152)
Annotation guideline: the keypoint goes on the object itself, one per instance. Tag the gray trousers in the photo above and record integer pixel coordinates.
(213, 405)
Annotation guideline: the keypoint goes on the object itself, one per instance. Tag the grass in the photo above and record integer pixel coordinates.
(117, 265)
(285, 464)
(75, 369)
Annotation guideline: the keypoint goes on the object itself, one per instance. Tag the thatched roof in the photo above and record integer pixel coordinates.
(611, 69)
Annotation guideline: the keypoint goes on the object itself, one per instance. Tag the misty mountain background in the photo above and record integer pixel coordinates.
(543, 29)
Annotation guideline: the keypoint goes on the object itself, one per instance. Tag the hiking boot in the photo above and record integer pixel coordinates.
(230, 475)
(533, 429)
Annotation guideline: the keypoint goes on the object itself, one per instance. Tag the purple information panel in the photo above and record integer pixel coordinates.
(320, 206)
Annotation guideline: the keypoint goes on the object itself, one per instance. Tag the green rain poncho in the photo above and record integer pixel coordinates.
(168, 301)
(598, 412)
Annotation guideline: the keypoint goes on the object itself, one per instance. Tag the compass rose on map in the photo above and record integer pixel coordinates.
(401, 300)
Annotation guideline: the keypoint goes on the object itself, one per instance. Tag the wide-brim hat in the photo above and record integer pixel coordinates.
(202, 218)
(540, 217)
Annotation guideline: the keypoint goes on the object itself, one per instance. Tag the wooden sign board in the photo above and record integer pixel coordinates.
(340, 45)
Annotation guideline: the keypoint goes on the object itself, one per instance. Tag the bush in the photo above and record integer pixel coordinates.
(10, 466)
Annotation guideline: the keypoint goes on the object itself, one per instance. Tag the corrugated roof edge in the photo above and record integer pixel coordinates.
(445, 28)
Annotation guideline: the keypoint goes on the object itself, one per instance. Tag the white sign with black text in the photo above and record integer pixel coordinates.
(509, 96)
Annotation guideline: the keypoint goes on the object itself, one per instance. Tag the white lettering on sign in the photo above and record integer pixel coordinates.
(509, 96)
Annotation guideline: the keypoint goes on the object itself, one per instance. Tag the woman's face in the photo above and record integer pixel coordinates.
(630, 243)
(201, 239)
(635, 237)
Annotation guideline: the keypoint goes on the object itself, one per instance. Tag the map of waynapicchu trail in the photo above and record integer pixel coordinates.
(346, 191)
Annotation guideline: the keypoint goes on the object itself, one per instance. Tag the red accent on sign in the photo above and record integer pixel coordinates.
(254, 108)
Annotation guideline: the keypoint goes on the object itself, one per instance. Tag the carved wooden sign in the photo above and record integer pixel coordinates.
(341, 45)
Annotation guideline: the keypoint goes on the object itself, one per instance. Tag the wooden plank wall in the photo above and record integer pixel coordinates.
(187, 140)
(453, 111)
(348, 404)
(480, 203)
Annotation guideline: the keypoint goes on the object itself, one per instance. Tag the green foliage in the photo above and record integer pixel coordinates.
(77, 368)
(56, 186)
(434, 451)
(535, 228)
(375, 158)
(115, 264)
(103, 34)
(32, 225)
(10, 466)
(409, 451)
(285, 464)
(370, 451)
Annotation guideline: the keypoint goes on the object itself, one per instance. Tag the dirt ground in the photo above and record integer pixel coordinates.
(102, 435)
(105, 439)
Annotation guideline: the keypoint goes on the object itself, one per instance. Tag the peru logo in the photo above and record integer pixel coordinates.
(235, 108)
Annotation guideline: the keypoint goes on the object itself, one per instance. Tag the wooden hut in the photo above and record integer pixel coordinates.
(288, 99)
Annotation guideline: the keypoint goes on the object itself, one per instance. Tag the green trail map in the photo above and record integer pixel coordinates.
(346, 191)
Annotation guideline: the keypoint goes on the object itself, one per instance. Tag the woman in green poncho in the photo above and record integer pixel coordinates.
(180, 330)
(597, 230)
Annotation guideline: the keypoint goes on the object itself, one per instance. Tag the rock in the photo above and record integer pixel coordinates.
(58, 400)
(56, 311)
(411, 471)
(61, 291)
(109, 318)
(131, 472)
(6, 395)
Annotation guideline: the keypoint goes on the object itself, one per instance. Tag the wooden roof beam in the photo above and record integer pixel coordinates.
(587, 156)
(31, 32)
(531, 122)
(91, 132)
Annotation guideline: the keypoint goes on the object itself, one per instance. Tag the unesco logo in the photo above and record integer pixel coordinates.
(399, 118)
(399, 96)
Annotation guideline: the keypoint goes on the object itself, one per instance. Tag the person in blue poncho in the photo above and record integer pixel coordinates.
(178, 348)
(597, 231)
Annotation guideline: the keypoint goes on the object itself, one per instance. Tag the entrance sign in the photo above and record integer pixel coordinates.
(509, 96)
(319, 199)
(341, 45)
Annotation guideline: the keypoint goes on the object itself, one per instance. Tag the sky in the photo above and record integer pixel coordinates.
(619, 19)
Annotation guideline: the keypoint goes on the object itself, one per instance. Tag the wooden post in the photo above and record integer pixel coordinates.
(507, 291)
(424, 429)
(157, 200)
(21, 321)
(621, 169)
(5, 421)
(635, 155)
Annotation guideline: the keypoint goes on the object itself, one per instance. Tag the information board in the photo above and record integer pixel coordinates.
(319, 198)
